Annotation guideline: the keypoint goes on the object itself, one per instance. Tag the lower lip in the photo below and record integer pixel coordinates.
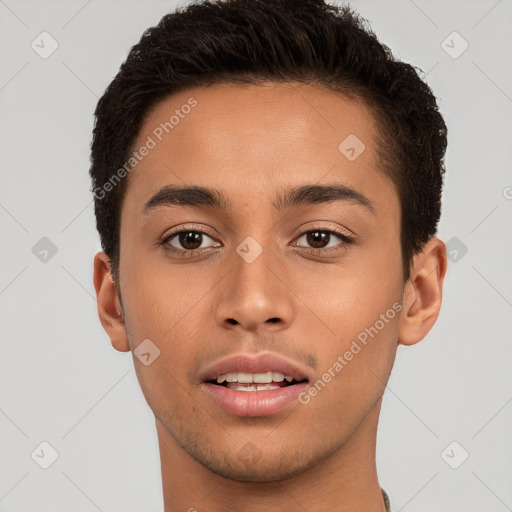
(254, 403)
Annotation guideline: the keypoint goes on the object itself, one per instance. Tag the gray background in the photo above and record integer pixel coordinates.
(62, 382)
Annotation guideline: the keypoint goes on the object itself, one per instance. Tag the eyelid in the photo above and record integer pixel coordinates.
(301, 231)
(187, 227)
(340, 231)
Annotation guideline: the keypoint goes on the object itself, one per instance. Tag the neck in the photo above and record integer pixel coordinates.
(344, 481)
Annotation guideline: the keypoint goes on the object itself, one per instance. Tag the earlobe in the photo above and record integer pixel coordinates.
(423, 292)
(109, 307)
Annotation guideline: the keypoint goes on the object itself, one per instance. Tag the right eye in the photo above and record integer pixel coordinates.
(184, 242)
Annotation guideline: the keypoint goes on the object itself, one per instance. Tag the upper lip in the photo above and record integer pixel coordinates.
(259, 363)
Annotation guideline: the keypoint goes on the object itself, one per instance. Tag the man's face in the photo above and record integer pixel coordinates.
(208, 295)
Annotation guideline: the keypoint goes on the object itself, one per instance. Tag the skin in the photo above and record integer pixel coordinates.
(252, 142)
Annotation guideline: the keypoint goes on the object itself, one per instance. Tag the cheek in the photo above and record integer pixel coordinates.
(355, 299)
(363, 311)
(168, 309)
(162, 310)
(159, 298)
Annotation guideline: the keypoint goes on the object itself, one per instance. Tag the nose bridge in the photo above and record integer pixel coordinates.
(253, 294)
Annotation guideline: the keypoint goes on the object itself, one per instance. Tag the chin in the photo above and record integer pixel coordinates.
(255, 474)
(243, 468)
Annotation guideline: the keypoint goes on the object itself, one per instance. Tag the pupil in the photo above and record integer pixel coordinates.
(188, 238)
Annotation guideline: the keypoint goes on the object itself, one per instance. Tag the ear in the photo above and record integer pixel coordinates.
(109, 307)
(423, 292)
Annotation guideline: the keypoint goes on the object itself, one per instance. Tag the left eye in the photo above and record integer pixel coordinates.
(317, 238)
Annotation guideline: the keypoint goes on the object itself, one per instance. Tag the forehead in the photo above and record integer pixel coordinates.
(250, 139)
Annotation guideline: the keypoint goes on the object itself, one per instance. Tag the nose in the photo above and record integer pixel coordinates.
(255, 294)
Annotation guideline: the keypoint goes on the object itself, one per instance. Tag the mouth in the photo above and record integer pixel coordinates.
(261, 385)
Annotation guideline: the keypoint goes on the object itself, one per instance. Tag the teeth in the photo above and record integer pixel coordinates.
(262, 378)
(258, 378)
(254, 387)
(244, 378)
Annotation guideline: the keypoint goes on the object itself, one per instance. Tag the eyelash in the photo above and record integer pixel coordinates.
(184, 253)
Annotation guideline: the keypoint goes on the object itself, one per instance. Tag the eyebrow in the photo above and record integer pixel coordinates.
(197, 196)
